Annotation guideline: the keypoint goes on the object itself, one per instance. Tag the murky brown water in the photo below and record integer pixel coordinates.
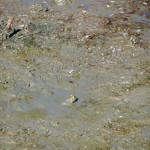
(97, 51)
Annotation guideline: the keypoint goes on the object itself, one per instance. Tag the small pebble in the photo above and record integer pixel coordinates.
(70, 100)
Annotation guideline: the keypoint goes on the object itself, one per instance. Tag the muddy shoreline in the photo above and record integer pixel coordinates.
(75, 75)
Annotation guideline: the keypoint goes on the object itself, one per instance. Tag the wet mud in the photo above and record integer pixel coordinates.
(74, 75)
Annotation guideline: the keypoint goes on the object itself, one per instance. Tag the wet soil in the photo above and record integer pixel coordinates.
(95, 51)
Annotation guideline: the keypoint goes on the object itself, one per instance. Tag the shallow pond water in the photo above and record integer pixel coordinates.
(95, 51)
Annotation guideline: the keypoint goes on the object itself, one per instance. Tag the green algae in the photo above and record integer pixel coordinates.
(33, 114)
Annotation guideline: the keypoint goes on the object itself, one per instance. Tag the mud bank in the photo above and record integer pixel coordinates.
(92, 56)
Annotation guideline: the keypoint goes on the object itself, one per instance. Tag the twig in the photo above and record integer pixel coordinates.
(8, 26)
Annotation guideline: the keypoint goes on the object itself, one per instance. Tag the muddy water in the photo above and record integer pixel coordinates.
(97, 51)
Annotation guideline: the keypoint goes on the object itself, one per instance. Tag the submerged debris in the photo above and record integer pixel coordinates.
(8, 31)
(8, 27)
(45, 6)
(13, 32)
